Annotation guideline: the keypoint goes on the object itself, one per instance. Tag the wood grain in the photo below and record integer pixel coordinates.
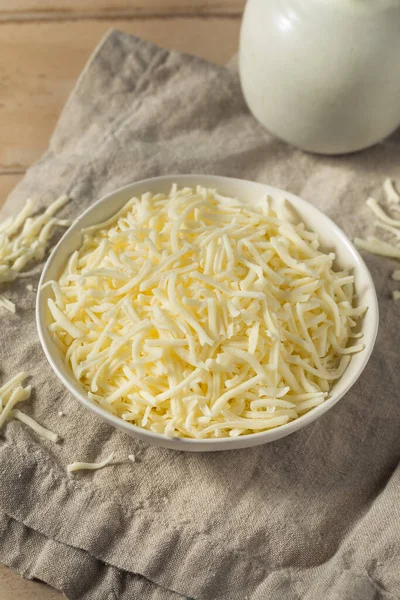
(55, 9)
(39, 64)
(14, 587)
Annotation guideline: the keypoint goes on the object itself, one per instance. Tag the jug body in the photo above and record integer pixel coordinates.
(323, 75)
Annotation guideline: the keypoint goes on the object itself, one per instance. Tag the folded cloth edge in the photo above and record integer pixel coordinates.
(79, 577)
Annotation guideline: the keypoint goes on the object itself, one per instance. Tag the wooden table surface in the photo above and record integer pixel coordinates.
(44, 45)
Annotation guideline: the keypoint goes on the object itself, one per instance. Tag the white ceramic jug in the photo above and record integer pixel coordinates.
(323, 75)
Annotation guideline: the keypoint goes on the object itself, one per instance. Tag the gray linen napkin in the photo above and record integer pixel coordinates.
(315, 515)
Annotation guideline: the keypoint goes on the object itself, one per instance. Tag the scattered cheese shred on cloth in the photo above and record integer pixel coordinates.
(84, 466)
(25, 238)
(313, 516)
(388, 224)
(11, 394)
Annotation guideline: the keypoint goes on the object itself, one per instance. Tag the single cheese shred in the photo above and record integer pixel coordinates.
(84, 466)
(194, 314)
(34, 425)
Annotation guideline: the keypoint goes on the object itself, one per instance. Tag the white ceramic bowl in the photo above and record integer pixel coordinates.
(332, 238)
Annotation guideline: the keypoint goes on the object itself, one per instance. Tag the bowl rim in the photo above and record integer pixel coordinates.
(207, 444)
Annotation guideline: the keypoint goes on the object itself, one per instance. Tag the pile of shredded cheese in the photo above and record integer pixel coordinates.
(191, 314)
(24, 239)
(389, 225)
(11, 394)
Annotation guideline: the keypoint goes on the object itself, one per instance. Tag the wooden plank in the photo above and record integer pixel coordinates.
(54, 9)
(13, 587)
(40, 62)
(7, 183)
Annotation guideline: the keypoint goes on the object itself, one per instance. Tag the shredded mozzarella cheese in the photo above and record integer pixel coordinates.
(376, 246)
(46, 433)
(396, 275)
(391, 194)
(19, 394)
(7, 304)
(388, 224)
(25, 238)
(192, 314)
(380, 213)
(13, 393)
(84, 466)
